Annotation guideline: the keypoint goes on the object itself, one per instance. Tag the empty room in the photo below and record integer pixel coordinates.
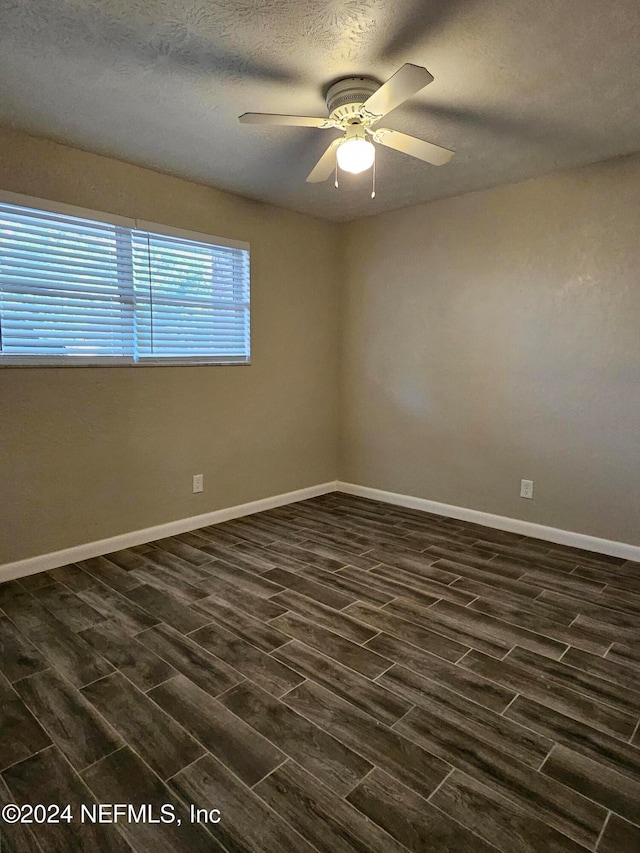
(319, 426)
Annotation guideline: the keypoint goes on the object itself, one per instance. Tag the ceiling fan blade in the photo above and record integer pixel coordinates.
(325, 165)
(405, 82)
(294, 121)
(420, 148)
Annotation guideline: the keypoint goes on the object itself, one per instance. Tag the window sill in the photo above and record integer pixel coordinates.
(90, 365)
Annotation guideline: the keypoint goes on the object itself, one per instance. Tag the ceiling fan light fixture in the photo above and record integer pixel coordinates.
(355, 106)
(356, 155)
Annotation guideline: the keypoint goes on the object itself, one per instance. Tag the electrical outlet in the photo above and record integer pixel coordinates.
(198, 483)
(526, 489)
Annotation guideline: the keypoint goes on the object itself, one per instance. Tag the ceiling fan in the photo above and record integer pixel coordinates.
(356, 105)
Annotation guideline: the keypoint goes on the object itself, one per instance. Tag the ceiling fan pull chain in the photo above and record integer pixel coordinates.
(336, 180)
(373, 178)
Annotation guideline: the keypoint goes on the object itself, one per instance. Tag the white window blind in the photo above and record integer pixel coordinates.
(77, 290)
(190, 298)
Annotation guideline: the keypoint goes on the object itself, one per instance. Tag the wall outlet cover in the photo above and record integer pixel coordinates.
(526, 489)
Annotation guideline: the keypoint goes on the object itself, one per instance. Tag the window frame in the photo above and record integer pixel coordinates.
(43, 361)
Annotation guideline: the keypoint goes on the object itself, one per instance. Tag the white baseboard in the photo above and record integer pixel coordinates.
(44, 562)
(500, 522)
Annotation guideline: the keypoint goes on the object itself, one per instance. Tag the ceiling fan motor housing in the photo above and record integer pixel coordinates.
(345, 97)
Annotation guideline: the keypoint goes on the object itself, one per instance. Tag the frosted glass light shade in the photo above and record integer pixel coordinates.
(356, 155)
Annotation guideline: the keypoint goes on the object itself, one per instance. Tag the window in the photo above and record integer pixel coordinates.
(76, 290)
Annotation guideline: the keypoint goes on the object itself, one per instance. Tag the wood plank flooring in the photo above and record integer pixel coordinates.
(335, 676)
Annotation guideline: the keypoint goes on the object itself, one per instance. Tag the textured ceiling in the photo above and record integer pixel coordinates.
(522, 87)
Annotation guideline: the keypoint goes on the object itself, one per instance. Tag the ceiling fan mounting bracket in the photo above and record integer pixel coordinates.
(345, 98)
(378, 134)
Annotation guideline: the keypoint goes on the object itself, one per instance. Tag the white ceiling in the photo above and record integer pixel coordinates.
(522, 87)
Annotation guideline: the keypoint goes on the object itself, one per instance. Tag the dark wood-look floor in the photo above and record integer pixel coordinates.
(337, 675)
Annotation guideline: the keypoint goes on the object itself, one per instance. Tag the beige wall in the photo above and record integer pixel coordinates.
(483, 339)
(496, 336)
(91, 453)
